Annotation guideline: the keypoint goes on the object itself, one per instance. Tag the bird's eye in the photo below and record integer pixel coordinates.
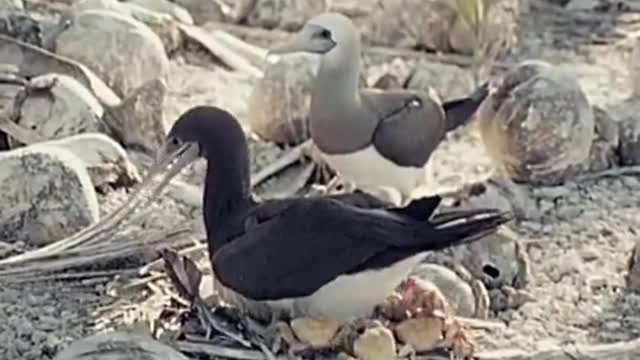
(325, 34)
(175, 141)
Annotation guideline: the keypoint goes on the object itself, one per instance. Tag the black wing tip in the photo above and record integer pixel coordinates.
(460, 111)
(467, 226)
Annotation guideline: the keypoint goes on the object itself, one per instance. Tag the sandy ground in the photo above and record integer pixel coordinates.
(578, 251)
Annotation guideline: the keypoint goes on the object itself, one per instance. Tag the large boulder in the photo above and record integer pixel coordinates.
(55, 106)
(177, 12)
(124, 52)
(202, 11)
(538, 125)
(279, 104)
(45, 195)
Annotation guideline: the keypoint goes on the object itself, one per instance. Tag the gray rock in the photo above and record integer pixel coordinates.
(499, 30)
(11, 5)
(497, 260)
(279, 103)
(437, 25)
(46, 194)
(457, 292)
(604, 149)
(107, 5)
(202, 11)
(538, 125)
(139, 121)
(120, 345)
(449, 81)
(177, 12)
(162, 24)
(32, 61)
(21, 26)
(629, 127)
(284, 14)
(106, 161)
(124, 52)
(55, 106)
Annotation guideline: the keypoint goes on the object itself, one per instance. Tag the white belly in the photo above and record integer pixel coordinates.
(354, 296)
(370, 171)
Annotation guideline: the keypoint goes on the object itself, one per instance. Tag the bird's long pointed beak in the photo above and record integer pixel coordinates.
(175, 160)
(296, 44)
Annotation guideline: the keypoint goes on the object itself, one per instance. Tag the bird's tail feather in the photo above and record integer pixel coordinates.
(458, 112)
(464, 226)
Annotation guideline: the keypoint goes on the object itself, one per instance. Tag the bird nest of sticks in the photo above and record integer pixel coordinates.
(416, 321)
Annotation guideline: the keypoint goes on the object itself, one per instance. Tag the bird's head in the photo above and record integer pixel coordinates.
(202, 131)
(321, 35)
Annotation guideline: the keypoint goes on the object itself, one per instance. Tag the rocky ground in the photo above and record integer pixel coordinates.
(577, 247)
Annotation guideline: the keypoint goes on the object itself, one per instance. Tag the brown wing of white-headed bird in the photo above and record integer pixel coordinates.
(410, 125)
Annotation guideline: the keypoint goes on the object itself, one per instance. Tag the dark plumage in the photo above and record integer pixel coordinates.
(300, 253)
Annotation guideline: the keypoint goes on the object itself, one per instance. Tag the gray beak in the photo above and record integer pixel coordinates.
(300, 42)
(175, 159)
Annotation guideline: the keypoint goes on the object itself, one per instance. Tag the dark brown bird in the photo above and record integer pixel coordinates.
(319, 257)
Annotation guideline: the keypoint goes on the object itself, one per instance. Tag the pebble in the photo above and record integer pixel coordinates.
(458, 293)
(597, 282)
(612, 325)
(589, 254)
(565, 265)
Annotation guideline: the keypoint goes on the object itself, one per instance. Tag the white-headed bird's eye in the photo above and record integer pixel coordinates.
(325, 34)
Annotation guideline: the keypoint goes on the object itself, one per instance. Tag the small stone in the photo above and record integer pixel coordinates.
(597, 282)
(458, 293)
(589, 254)
(422, 333)
(314, 332)
(376, 343)
(565, 265)
(612, 325)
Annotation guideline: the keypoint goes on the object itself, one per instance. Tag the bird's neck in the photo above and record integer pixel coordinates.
(336, 97)
(338, 78)
(227, 192)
